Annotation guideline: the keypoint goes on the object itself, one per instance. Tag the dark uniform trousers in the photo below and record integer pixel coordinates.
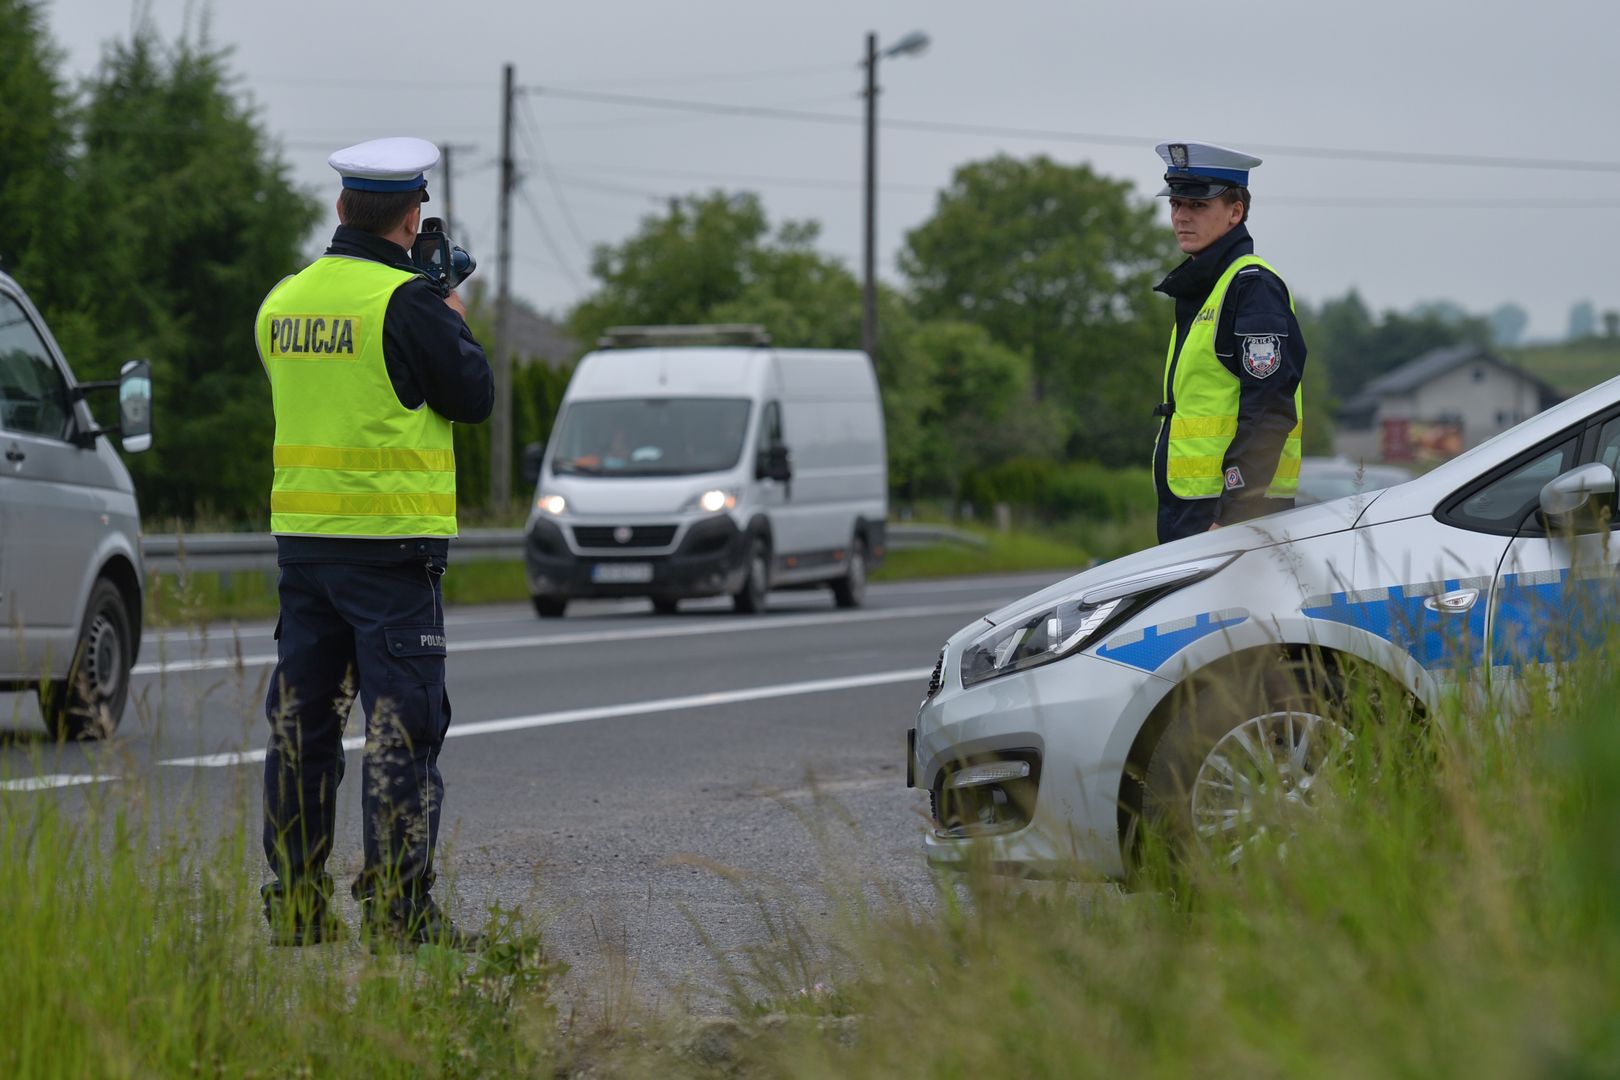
(376, 631)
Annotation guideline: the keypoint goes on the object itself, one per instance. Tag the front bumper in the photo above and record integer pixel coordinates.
(1071, 723)
(710, 559)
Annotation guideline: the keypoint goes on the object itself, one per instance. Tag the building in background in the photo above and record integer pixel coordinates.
(1437, 406)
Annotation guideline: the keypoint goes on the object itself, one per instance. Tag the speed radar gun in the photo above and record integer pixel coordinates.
(445, 263)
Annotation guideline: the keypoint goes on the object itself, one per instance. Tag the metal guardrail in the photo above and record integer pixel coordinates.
(225, 552)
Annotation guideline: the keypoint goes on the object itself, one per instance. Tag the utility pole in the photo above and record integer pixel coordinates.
(445, 151)
(500, 422)
(869, 328)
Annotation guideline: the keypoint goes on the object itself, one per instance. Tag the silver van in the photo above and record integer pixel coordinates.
(699, 461)
(70, 553)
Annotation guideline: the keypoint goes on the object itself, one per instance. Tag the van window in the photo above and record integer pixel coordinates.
(651, 436)
(33, 391)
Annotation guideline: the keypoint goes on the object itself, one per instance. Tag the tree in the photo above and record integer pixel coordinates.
(36, 137)
(1058, 263)
(190, 217)
(1582, 320)
(1354, 348)
(1508, 322)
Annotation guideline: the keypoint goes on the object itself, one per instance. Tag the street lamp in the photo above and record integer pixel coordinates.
(913, 44)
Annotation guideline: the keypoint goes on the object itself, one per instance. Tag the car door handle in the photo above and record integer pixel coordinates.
(14, 454)
(1452, 603)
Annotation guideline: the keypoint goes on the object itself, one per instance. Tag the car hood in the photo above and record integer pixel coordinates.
(1302, 523)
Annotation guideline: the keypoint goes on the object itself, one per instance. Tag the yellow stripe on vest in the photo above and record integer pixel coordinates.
(365, 459)
(331, 504)
(1201, 427)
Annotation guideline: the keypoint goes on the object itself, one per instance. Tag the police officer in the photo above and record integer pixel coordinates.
(369, 366)
(1229, 440)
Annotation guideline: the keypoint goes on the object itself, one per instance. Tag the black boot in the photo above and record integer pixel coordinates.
(300, 912)
(404, 923)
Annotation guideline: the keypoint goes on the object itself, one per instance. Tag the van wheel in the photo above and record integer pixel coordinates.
(665, 605)
(750, 599)
(849, 591)
(548, 607)
(89, 703)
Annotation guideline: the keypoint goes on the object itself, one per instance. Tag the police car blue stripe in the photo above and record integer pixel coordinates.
(1149, 649)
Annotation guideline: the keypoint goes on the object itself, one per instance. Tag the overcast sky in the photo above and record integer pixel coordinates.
(1460, 78)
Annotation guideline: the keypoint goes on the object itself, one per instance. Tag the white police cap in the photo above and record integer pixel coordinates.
(398, 164)
(1203, 170)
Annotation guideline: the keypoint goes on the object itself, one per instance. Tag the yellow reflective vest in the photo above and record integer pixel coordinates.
(1206, 397)
(350, 460)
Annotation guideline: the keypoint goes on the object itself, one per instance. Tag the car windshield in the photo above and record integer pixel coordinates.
(650, 436)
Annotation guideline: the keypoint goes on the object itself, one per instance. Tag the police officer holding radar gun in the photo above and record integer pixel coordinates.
(1229, 441)
(370, 362)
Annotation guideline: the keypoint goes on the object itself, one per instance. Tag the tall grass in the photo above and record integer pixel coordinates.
(1449, 908)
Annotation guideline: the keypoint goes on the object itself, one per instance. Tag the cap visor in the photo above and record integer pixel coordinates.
(1193, 189)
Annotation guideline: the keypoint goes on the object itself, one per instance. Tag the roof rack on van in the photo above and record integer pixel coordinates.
(640, 337)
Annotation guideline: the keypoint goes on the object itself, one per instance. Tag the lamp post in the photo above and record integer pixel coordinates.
(912, 44)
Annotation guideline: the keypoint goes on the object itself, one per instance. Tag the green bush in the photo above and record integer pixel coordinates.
(1053, 491)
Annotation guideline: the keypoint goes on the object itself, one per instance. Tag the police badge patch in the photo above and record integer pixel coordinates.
(1234, 479)
(1262, 355)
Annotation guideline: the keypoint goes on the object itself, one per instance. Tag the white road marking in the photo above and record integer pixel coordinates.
(57, 780)
(593, 637)
(606, 712)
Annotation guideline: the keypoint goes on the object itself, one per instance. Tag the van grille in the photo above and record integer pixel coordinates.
(641, 536)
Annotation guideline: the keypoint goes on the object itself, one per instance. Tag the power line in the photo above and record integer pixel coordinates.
(533, 127)
(550, 240)
(1404, 157)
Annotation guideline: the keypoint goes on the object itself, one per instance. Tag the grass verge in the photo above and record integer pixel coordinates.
(1446, 907)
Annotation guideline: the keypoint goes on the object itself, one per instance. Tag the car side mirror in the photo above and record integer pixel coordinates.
(135, 406)
(1564, 497)
(533, 455)
(775, 463)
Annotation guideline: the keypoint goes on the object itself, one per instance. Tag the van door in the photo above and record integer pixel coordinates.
(53, 495)
(776, 496)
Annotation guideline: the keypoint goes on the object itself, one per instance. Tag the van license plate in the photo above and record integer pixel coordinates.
(622, 573)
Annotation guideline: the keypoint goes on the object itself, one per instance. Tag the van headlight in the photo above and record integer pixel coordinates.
(554, 505)
(1055, 629)
(713, 501)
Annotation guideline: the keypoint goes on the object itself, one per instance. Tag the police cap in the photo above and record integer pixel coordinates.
(1203, 170)
(397, 164)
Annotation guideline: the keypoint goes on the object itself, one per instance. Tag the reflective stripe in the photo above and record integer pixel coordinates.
(329, 504)
(1212, 468)
(365, 459)
(1198, 427)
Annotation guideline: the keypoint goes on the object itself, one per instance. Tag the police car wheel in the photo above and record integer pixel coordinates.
(850, 590)
(548, 607)
(89, 703)
(750, 599)
(1237, 768)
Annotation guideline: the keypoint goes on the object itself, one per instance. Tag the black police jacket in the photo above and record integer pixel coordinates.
(1256, 305)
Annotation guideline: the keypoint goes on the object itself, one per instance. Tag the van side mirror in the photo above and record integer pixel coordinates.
(774, 464)
(135, 405)
(1565, 496)
(533, 455)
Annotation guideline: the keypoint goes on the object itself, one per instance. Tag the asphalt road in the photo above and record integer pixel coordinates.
(645, 786)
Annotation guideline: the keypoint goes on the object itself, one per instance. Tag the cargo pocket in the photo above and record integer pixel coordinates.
(414, 688)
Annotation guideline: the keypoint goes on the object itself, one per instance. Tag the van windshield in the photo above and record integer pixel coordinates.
(650, 436)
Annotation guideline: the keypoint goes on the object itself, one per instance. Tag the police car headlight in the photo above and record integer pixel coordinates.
(1061, 628)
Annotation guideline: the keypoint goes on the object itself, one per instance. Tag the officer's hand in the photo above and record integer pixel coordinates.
(1214, 525)
(455, 304)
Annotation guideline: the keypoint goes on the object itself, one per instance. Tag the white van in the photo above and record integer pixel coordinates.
(699, 461)
(70, 554)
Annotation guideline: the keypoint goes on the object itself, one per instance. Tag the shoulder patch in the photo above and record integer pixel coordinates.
(1262, 354)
